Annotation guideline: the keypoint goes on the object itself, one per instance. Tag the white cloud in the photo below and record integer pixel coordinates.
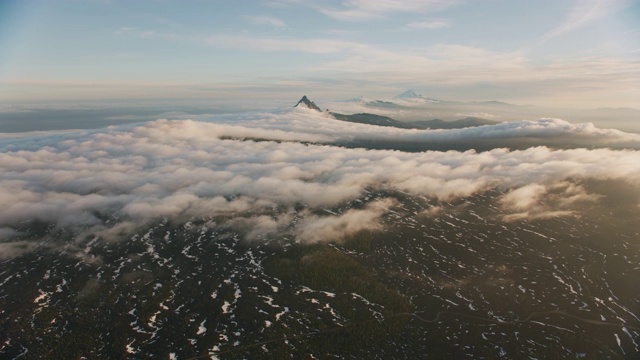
(585, 11)
(477, 114)
(359, 10)
(146, 33)
(262, 226)
(524, 197)
(432, 211)
(536, 201)
(252, 43)
(267, 20)
(307, 125)
(335, 228)
(187, 169)
(427, 24)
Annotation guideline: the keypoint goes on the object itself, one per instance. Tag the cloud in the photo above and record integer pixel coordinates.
(261, 227)
(478, 114)
(25, 134)
(459, 67)
(535, 201)
(583, 12)
(432, 211)
(252, 43)
(361, 10)
(146, 33)
(308, 125)
(427, 24)
(335, 228)
(107, 182)
(524, 197)
(8, 233)
(266, 20)
(10, 250)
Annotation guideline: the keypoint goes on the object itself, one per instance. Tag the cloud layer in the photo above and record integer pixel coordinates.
(108, 181)
(359, 10)
(308, 125)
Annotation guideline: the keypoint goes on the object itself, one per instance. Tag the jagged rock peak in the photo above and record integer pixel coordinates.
(307, 103)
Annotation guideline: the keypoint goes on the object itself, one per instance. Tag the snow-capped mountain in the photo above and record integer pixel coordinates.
(412, 97)
(407, 98)
(360, 99)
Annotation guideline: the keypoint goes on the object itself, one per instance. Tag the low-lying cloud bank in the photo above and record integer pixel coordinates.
(536, 201)
(186, 169)
(308, 125)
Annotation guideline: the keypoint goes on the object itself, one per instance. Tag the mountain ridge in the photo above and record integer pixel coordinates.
(381, 120)
(305, 102)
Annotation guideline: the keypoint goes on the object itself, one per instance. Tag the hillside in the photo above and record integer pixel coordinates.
(455, 124)
(373, 119)
(379, 120)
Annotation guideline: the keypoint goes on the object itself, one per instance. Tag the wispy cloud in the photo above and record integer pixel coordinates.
(145, 33)
(253, 43)
(535, 201)
(267, 20)
(359, 10)
(427, 24)
(478, 114)
(584, 12)
(327, 228)
(457, 65)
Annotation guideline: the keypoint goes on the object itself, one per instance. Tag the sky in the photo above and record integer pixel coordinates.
(583, 53)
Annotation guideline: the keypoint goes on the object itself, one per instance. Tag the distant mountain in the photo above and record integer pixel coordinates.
(370, 102)
(617, 109)
(359, 99)
(305, 102)
(413, 97)
(379, 120)
(455, 124)
(495, 102)
(409, 94)
(373, 119)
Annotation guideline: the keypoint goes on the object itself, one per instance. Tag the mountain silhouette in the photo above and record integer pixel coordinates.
(307, 103)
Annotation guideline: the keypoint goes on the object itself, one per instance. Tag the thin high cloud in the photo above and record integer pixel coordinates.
(428, 24)
(267, 20)
(343, 61)
(458, 65)
(253, 43)
(584, 12)
(148, 34)
(363, 10)
(187, 169)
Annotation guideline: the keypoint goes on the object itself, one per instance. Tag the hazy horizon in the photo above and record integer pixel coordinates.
(22, 117)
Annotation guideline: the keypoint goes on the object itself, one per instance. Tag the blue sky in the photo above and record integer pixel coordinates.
(583, 53)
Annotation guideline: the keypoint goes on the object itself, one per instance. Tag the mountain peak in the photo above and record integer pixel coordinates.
(409, 94)
(412, 97)
(305, 102)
